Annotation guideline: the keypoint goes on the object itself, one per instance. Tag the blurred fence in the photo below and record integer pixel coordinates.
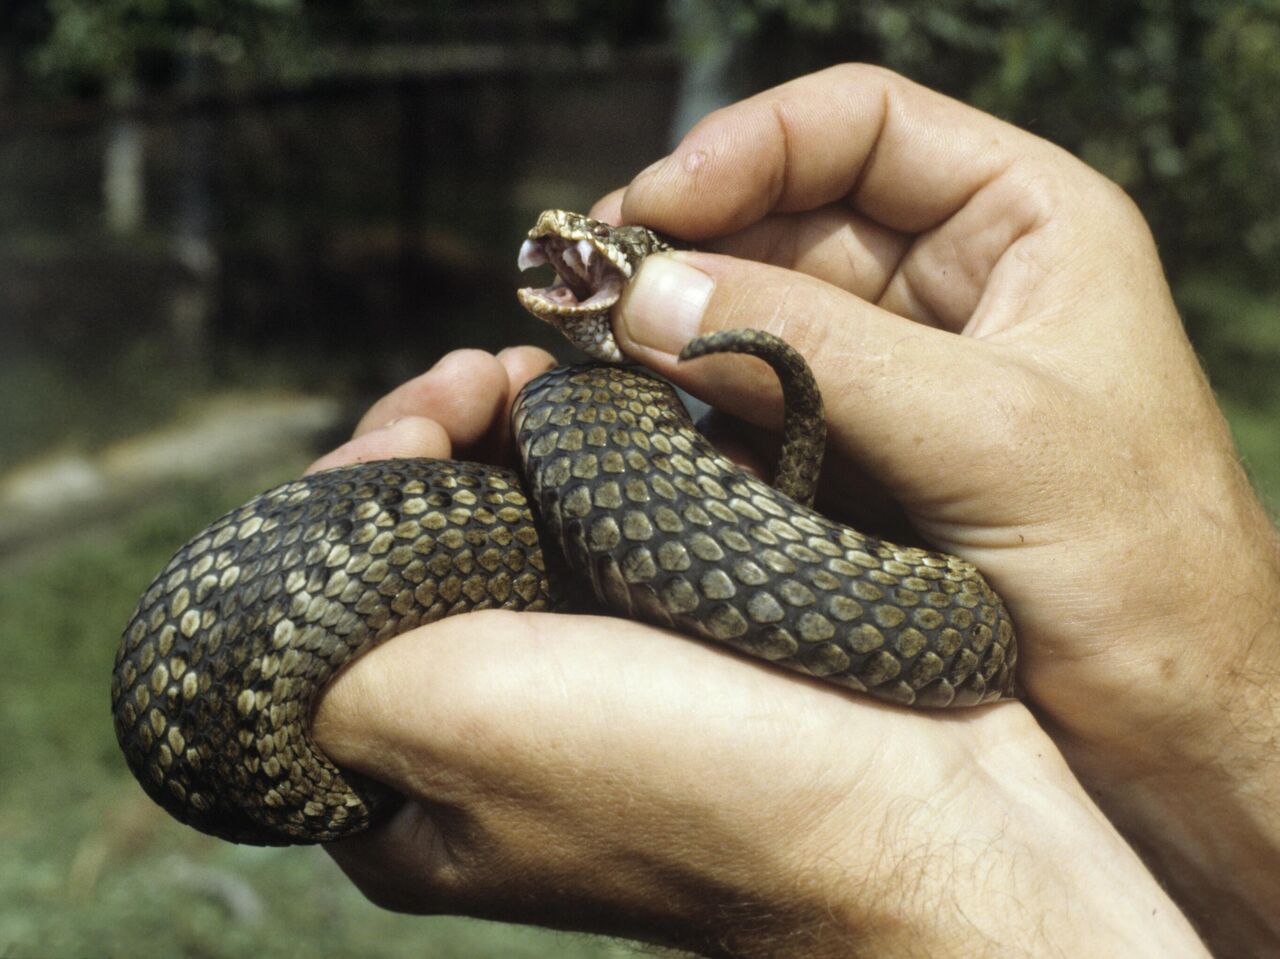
(358, 226)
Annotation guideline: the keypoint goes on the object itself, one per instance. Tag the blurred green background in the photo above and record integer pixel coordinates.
(226, 226)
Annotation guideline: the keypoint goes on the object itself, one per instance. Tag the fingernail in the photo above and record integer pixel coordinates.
(664, 305)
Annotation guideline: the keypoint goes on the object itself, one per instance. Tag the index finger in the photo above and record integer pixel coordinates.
(900, 154)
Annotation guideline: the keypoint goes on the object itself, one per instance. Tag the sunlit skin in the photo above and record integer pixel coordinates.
(999, 353)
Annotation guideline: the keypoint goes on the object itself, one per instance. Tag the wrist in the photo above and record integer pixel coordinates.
(1203, 809)
(1192, 775)
(978, 846)
(1187, 672)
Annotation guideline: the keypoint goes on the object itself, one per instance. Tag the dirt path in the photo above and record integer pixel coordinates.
(237, 434)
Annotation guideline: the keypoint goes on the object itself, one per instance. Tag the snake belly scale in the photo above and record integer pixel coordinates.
(218, 671)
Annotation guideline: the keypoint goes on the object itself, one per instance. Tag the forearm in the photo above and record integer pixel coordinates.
(1218, 851)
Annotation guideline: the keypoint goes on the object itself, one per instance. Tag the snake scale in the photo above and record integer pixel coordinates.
(621, 499)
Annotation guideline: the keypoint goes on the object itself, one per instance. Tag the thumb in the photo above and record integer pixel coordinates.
(908, 402)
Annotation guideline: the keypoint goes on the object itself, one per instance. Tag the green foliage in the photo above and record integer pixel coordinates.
(1174, 101)
(116, 45)
(1239, 146)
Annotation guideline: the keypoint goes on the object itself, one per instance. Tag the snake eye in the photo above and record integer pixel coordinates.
(600, 229)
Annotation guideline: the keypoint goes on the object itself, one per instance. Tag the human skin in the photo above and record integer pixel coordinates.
(999, 353)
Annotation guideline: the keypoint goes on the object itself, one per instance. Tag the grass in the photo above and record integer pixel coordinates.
(89, 867)
(77, 402)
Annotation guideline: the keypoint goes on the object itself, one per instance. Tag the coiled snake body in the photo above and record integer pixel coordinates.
(218, 670)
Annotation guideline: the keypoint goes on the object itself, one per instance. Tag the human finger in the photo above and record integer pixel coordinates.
(901, 154)
(405, 437)
(900, 396)
(609, 207)
(523, 363)
(832, 243)
(465, 392)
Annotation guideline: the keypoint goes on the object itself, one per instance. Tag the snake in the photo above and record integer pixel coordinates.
(621, 506)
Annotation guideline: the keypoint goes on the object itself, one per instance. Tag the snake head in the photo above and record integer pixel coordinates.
(593, 262)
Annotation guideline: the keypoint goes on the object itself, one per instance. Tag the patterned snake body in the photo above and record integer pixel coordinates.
(219, 669)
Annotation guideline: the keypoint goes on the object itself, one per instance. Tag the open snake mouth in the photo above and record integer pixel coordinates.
(588, 280)
(593, 261)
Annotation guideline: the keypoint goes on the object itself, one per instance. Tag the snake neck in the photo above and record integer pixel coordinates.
(593, 261)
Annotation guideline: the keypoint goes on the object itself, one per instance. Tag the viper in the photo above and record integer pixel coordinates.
(622, 506)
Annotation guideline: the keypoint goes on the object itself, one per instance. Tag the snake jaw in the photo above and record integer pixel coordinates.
(580, 301)
(593, 262)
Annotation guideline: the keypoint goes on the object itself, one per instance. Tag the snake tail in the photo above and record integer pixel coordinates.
(804, 427)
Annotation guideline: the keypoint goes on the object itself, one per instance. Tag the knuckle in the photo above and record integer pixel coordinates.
(860, 73)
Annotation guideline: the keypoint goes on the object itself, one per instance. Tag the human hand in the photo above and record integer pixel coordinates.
(999, 350)
(603, 775)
